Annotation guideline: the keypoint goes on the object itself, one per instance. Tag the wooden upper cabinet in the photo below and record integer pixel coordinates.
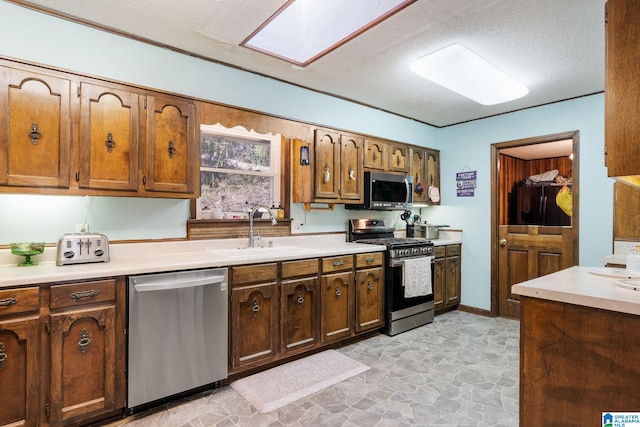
(418, 172)
(622, 88)
(351, 173)
(109, 138)
(170, 145)
(376, 154)
(327, 164)
(399, 161)
(35, 130)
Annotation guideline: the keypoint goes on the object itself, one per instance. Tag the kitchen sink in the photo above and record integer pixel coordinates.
(263, 251)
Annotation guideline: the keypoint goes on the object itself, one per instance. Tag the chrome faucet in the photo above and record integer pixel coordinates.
(254, 210)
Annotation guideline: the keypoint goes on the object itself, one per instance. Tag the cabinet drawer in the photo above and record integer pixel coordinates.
(14, 301)
(369, 260)
(254, 274)
(453, 250)
(439, 251)
(307, 267)
(337, 263)
(82, 293)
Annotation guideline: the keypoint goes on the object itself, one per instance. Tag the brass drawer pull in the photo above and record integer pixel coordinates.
(338, 263)
(7, 302)
(3, 355)
(84, 294)
(369, 260)
(338, 293)
(84, 341)
(110, 143)
(369, 286)
(300, 299)
(255, 308)
(172, 149)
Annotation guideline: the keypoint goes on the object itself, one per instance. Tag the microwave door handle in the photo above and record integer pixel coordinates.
(406, 183)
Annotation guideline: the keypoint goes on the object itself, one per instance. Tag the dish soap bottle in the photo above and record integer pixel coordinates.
(279, 212)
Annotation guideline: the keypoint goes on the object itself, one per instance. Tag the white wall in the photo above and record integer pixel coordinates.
(468, 145)
(39, 38)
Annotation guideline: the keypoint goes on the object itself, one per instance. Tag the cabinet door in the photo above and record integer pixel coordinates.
(351, 176)
(369, 299)
(337, 306)
(452, 292)
(375, 154)
(170, 145)
(35, 129)
(418, 172)
(399, 161)
(83, 360)
(327, 164)
(254, 325)
(622, 87)
(300, 315)
(433, 173)
(19, 371)
(109, 138)
(438, 283)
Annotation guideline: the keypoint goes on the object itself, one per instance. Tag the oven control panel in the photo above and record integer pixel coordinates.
(411, 251)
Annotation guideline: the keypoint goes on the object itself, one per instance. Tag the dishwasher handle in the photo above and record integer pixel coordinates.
(178, 284)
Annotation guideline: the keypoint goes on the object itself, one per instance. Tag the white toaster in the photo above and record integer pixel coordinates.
(80, 248)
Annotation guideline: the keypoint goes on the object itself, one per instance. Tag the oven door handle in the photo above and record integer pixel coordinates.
(393, 262)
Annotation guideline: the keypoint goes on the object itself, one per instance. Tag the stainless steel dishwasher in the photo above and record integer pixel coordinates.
(177, 334)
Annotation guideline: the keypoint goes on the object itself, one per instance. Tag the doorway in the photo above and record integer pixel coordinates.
(524, 245)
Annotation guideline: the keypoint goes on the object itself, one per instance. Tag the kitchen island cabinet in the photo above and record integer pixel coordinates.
(578, 347)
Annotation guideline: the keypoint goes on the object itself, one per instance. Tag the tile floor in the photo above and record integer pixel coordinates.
(461, 370)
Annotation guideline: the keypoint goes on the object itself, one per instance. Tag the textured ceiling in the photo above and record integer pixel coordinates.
(555, 48)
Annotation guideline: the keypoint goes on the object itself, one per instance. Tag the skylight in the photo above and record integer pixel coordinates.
(302, 31)
(460, 70)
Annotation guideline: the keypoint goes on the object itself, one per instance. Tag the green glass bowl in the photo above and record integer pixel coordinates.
(27, 249)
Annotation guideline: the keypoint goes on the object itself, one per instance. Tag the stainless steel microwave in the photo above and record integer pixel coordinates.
(386, 192)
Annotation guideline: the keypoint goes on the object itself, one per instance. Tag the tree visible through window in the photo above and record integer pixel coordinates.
(239, 169)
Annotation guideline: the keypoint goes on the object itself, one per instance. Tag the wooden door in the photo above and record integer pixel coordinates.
(527, 252)
(109, 139)
(19, 371)
(375, 154)
(300, 314)
(327, 164)
(369, 298)
(433, 173)
(337, 306)
(35, 129)
(452, 281)
(351, 174)
(254, 325)
(399, 161)
(438, 283)
(170, 145)
(83, 363)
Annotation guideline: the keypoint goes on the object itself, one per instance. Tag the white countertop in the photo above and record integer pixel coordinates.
(140, 258)
(576, 285)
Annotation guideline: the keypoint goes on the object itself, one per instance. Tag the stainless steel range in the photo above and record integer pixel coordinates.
(408, 273)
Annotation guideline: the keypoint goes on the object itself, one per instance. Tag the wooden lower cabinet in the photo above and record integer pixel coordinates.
(446, 277)
(19, 360)
(65, 359)
(283, 309)
(369, 291)
(300, 306)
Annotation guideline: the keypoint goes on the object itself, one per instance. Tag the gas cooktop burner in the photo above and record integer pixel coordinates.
(394, 242)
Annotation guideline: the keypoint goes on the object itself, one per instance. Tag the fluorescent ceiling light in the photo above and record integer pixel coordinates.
(460, 70)
(302, 31)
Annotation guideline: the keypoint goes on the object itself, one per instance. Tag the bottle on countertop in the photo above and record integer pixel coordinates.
(279, 212)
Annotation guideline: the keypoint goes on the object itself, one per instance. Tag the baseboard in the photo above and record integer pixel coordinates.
(475, 310)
